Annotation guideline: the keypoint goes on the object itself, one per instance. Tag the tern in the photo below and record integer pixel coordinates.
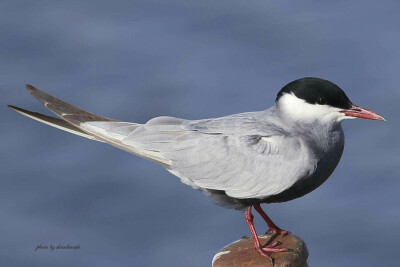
(240, 160)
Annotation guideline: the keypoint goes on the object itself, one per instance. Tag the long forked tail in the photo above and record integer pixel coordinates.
(86, 124)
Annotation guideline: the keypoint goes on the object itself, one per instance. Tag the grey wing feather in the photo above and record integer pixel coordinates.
(242, 154)
(68, 112)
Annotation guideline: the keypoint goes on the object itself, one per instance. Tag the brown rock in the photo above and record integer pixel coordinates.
(242, 253)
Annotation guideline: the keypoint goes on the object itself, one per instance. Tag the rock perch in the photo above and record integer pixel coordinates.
(243, 253)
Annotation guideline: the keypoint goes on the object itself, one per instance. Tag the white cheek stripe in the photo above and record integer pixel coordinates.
(299, 110)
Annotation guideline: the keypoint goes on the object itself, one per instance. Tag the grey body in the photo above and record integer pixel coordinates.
(301, 157)
(241, 159)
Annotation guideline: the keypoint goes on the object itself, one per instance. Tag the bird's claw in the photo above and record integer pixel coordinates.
(267, 251)
(275, 244)
(270, 249)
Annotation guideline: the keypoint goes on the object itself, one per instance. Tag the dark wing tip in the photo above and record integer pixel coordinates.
(61, 108)
(19, 110)
(30, 88)
(12, 107)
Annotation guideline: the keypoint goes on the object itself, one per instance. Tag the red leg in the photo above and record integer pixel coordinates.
(264, 251)
(272, 228)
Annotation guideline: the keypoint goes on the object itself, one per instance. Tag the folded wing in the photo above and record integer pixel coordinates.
(235, 154)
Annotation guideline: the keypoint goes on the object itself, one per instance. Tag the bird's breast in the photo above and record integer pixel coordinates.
(325, 152)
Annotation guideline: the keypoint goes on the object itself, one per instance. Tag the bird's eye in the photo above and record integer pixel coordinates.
(321, 100)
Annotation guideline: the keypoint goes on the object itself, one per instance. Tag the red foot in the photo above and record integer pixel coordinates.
(272, 228)
(265, 251)
(270, 249)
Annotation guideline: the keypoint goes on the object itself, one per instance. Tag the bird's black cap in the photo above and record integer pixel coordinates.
(317, 91)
